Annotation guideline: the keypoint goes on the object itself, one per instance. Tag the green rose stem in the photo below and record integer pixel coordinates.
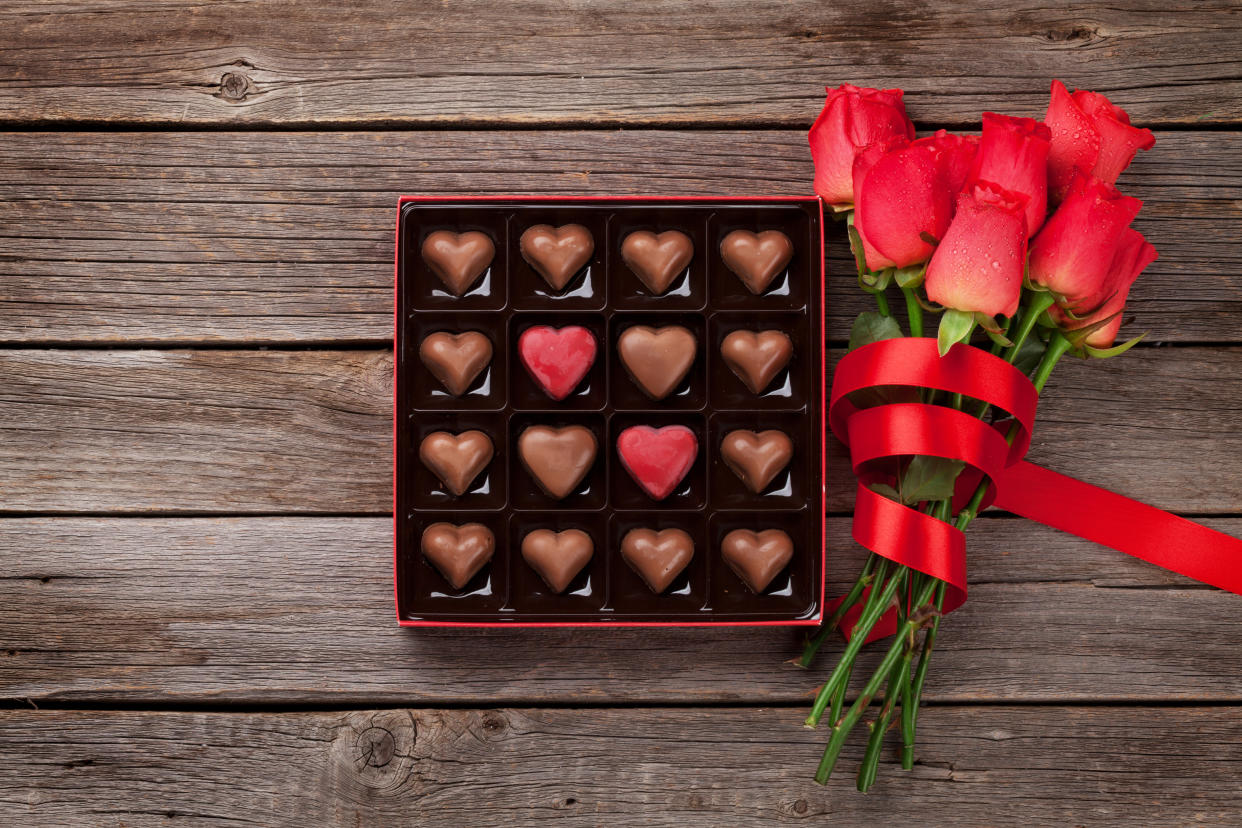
(813, 643)
(1058, 346)
(914, 311)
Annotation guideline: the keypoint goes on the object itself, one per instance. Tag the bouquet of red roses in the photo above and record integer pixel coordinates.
(1019, 241)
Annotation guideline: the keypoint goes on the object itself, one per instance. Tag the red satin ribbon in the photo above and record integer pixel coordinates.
(890, 372)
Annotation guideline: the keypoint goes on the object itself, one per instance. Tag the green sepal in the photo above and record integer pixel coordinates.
(927, 305)
(999, 338)
(1078, 336)
(910, 277)
(955, 326)
(1116, 350)
(870, 327)
(929, 238)
(856, 246)
(838, 211)
(987, 323)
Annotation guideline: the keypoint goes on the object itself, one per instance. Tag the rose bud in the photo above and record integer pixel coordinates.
(853, 118)
(1073, 254)
(907, 196)
(1013, 153)
(1090, 134)
(978, 266)
(1133, 254)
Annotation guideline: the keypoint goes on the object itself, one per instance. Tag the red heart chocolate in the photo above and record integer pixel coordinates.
(657, 259)
(458, 552)
(456, 359)
(756, 458)
(657, 458)
(558, 458)
(657, 557)
(757, 557)
(557, 358)
(557, 253)
(557, 556)
(657, 359)
(457, 459)
(459, 259)
(756, 358)
(756, 258)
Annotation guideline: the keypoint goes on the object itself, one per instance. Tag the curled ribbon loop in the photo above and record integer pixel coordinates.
(889, 372)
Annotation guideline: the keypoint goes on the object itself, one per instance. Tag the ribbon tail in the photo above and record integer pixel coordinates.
(1110, 519)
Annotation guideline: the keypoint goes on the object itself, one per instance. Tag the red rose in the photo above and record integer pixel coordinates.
(852, 120)
(1073, 253)
(1132, 255)
(1090, 134)
(907, 195)
(1013, 153)
(978, 266)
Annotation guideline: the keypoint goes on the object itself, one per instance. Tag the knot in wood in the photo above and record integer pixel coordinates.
(234, 87)
(376, 746)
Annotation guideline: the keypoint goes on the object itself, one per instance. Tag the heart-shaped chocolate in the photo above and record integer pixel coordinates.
(657, 557)
(756, 258)
(557, 556)
(558, 458)
(657, 458)
(457, 459)
(756, 357)
(459, 552)
(657, 259)
(459, 259)
(657, 359)
(756, 458)
(557, 253)
(557, 358)
(757, 557)
(456, 359)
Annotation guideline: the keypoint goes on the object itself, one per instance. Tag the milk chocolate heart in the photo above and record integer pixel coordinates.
(657, 259)
(657, 359)
(456, 359)
(457, 459)
(657, 557)
(757, 558)
(657, 458)
(557, 556)
(558, 458)
(459, 552)
(459, 259)
(756, 258)
(557, 253)
(557, 358)
(756, 458)
(756, 358)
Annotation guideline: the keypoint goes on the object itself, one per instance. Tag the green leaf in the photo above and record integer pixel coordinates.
(886, 490)
(871, 327)
(929, 478)
(955, 327)
(1029, 355)
(1116, 350)
(909, 277)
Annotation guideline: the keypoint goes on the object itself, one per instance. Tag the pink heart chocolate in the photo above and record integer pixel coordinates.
(657, 458)
(557, 358)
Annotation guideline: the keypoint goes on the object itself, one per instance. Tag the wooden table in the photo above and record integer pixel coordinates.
(196, 621)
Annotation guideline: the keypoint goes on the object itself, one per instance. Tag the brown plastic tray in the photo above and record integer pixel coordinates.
(605, 297)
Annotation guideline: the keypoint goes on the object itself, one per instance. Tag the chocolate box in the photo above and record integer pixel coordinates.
(606, 297)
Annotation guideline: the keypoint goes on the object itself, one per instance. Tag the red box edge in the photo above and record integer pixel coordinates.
(823, 393)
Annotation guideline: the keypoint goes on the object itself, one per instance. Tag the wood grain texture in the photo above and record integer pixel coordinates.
(541, 62)
(299, 610)
(651, 767)
(273, 237)
(222, 431)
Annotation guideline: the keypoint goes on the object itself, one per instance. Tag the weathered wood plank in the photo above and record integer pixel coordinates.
(274, 237)
(541, 62)
(222, 431)
(279, 610)
(648, 767)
